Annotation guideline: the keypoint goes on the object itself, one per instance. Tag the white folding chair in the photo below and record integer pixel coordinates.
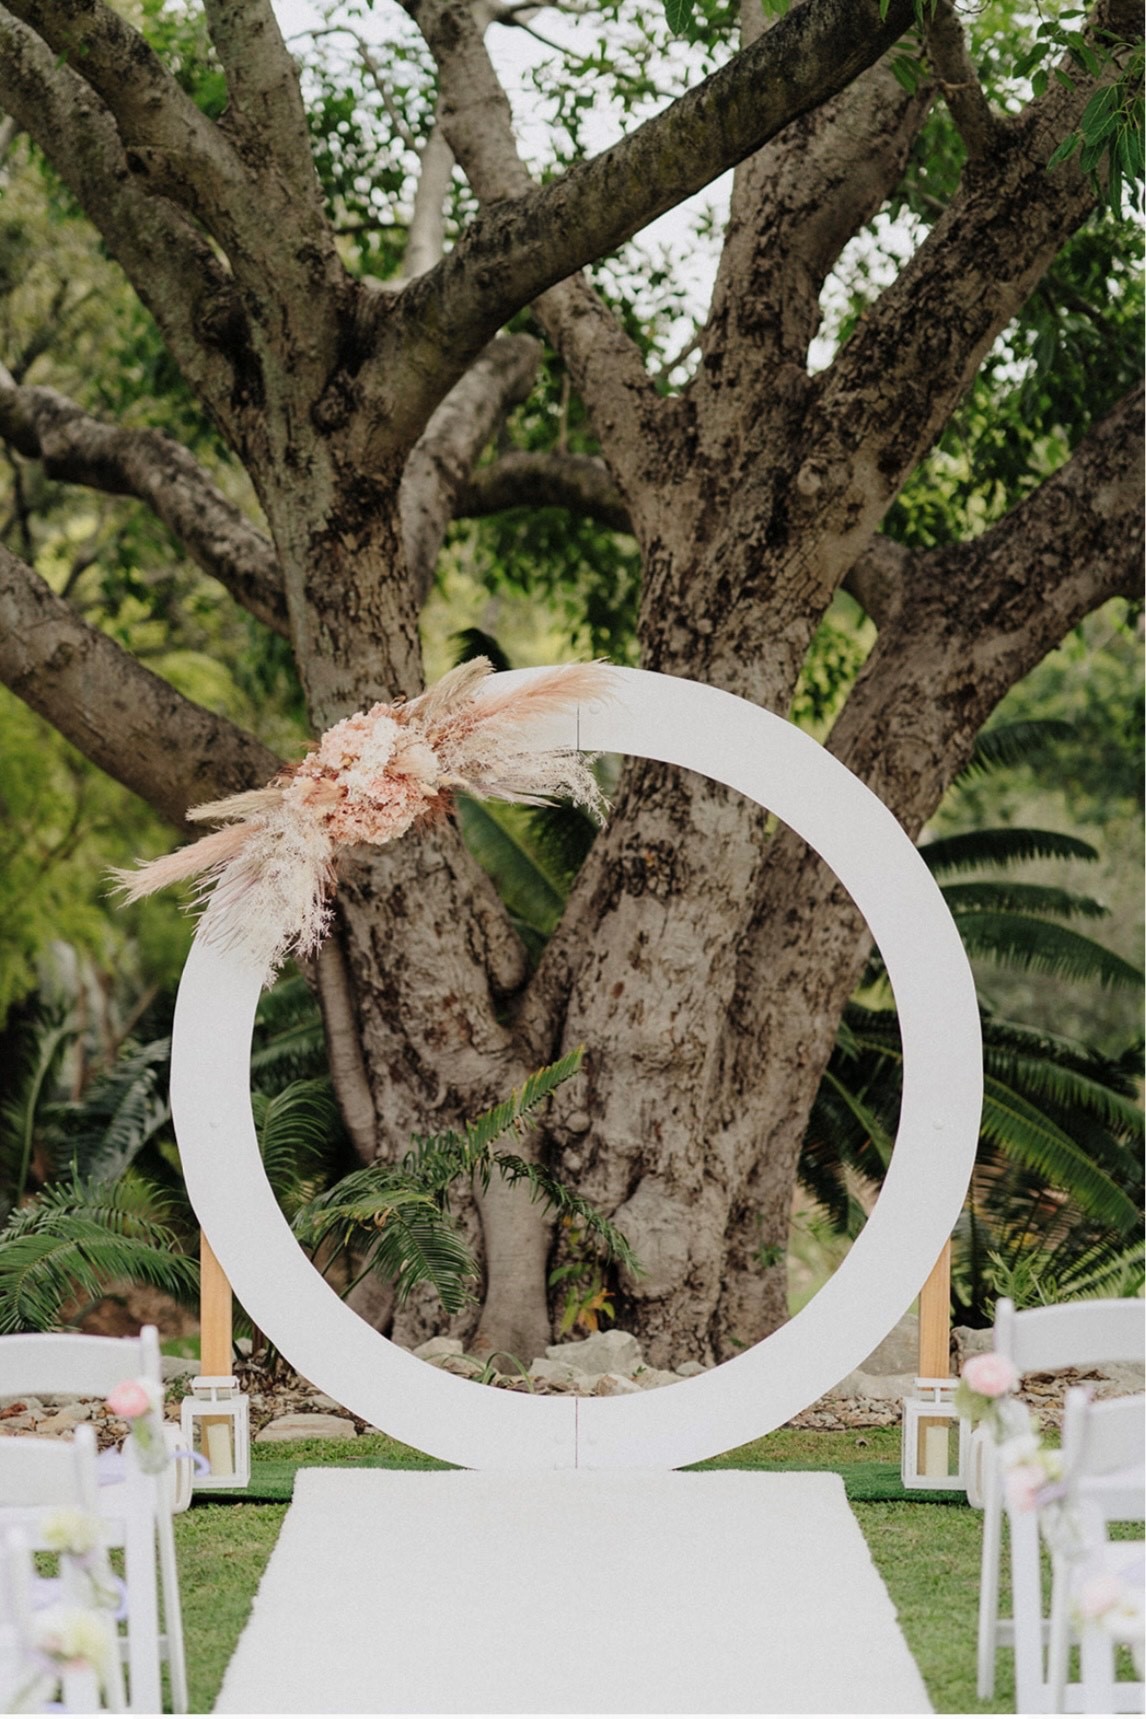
(1104, 1480)
(92, 1366)
(1040, 1339)
(37, 1478)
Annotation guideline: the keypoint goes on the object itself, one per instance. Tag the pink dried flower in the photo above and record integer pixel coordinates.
(990, 1375)
(129, 1400)
(270, 873)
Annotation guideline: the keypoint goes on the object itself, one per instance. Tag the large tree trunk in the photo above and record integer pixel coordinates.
(703, 962)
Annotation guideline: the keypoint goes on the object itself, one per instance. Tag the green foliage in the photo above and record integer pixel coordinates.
(74, 1239)
(396, 1217)
(1058, 1190)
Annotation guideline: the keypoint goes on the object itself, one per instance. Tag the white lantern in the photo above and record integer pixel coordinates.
(931, 1459)
(216, 1420)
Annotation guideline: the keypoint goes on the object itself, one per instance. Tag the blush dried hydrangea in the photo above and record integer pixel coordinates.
(267, 876)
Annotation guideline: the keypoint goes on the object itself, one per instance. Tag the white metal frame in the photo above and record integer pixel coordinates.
(772, 762)
(92, 1367)
(1038, 1339)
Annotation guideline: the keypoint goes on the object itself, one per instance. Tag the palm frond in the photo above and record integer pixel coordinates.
(1032, 1138)
(1014, 940)
(295, 1129)
(499, 838)
(22, 1114)
(1000, 847)
(289, 1041)
(75, 1238)
(1037, 900)
(1007, 744)
(511, 1115)
(122, 1111)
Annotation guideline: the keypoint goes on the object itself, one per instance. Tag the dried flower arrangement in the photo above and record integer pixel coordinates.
(267, 877)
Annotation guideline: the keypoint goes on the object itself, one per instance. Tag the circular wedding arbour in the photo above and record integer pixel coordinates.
(724, 737)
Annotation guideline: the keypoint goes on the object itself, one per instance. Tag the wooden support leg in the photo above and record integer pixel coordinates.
(935, 1359)
(215, 1345)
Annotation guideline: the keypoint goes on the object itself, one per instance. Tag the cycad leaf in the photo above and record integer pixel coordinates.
(1017, 941)
(1011, 743)
(294, 1130)
(420, 1245)
(75, 1239)
(1038, 900)
(978, 848)
(498, 836)
(1032, 1138)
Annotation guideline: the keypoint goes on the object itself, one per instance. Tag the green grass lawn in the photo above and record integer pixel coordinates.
(925, 1547)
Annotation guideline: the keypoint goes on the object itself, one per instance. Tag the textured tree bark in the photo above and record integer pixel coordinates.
(703, 960)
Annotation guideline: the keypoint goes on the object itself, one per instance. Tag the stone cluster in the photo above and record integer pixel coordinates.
(607, 1364)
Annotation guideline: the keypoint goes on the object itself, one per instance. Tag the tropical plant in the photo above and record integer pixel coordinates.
(395, 1218)
(74, 1238)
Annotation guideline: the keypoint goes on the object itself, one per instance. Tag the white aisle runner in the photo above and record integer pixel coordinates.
(607, 1591)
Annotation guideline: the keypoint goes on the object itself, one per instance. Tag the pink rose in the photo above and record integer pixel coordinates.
(129, 1400)
(1097, 1596)
(990, 1375)
(1023, 1484)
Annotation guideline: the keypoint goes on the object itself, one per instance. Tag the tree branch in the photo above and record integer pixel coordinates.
(426, 241)
(978, 616)
(168, 138)
(165, 748)
(795, 205)
(169, 262)
(514, 251)
(77, 448)
(914, 354)
(266, 115)
(475, 116)
(443, 458)
(880, 577)
(520, 479)
(979, 126)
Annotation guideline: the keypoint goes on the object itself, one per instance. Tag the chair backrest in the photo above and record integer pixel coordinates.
(1101, 1439)
(45, 1473)
(48, 1364)
(1073, 1334)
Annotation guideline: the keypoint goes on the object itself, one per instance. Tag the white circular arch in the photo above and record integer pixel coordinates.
(724, 737)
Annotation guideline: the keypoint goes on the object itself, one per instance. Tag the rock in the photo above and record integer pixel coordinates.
(306, 1426)
(465, 1366)
(967, 1340)
(178, 1367)
(614, 1385)
(320, 1400)
(13, 1406)
(651, 1378)
(63, 1422)
(604, 1352)
(559, 1373)
(437, 1348)
(690, 1369)
(875, 1387)
(1121, 1379)
(899, 1351)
